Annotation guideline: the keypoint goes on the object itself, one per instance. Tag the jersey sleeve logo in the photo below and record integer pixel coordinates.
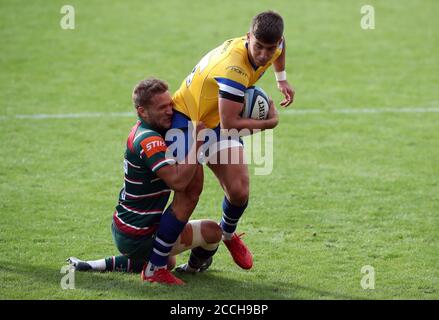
(153, 145)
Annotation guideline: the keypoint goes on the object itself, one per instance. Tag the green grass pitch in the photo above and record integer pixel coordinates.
(348, 188)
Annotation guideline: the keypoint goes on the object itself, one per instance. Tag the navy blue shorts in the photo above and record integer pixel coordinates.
(179, 141)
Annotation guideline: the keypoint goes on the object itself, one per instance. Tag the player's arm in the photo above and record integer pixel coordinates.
(230, 116)
(282, 83)
(178, 175)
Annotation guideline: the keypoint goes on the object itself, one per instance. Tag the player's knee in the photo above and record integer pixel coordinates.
(211, 231)
(239, 192)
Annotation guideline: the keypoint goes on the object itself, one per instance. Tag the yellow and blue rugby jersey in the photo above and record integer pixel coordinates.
(225, 71)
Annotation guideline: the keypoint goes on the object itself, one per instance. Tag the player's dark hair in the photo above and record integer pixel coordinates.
(268, 27)
(146, 89)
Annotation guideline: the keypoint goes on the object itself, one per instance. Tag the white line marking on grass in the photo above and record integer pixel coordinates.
(361, 111)
(43, 116)
(75, 115)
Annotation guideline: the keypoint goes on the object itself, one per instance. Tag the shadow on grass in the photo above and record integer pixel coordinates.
(27, 281)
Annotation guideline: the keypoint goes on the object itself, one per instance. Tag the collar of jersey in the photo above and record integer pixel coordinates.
(248, 57)
(145, 124)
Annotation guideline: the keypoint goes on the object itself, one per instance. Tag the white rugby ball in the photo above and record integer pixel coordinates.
(256, 103)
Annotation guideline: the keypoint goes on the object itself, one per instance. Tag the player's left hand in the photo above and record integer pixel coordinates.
(287, 91)
(273, 115)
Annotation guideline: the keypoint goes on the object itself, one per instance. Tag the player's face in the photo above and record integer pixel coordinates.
(260, 52)
(159, 114)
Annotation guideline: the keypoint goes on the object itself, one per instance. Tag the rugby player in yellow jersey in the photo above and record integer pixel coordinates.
(214, 94)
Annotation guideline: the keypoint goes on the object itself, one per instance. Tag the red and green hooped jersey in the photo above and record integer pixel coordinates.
(144, 195)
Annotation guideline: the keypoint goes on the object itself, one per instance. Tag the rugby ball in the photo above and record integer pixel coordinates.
(256, 103)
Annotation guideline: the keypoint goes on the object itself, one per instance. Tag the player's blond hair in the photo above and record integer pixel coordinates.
(146, 89)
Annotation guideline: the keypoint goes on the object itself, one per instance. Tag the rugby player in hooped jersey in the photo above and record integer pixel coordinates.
(144, 232)
(214, 94)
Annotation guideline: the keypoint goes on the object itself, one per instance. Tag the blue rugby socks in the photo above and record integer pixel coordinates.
(230, 218)
(169, 230)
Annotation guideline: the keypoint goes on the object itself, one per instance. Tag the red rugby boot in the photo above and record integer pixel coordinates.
(161, 275)
(239, 251)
